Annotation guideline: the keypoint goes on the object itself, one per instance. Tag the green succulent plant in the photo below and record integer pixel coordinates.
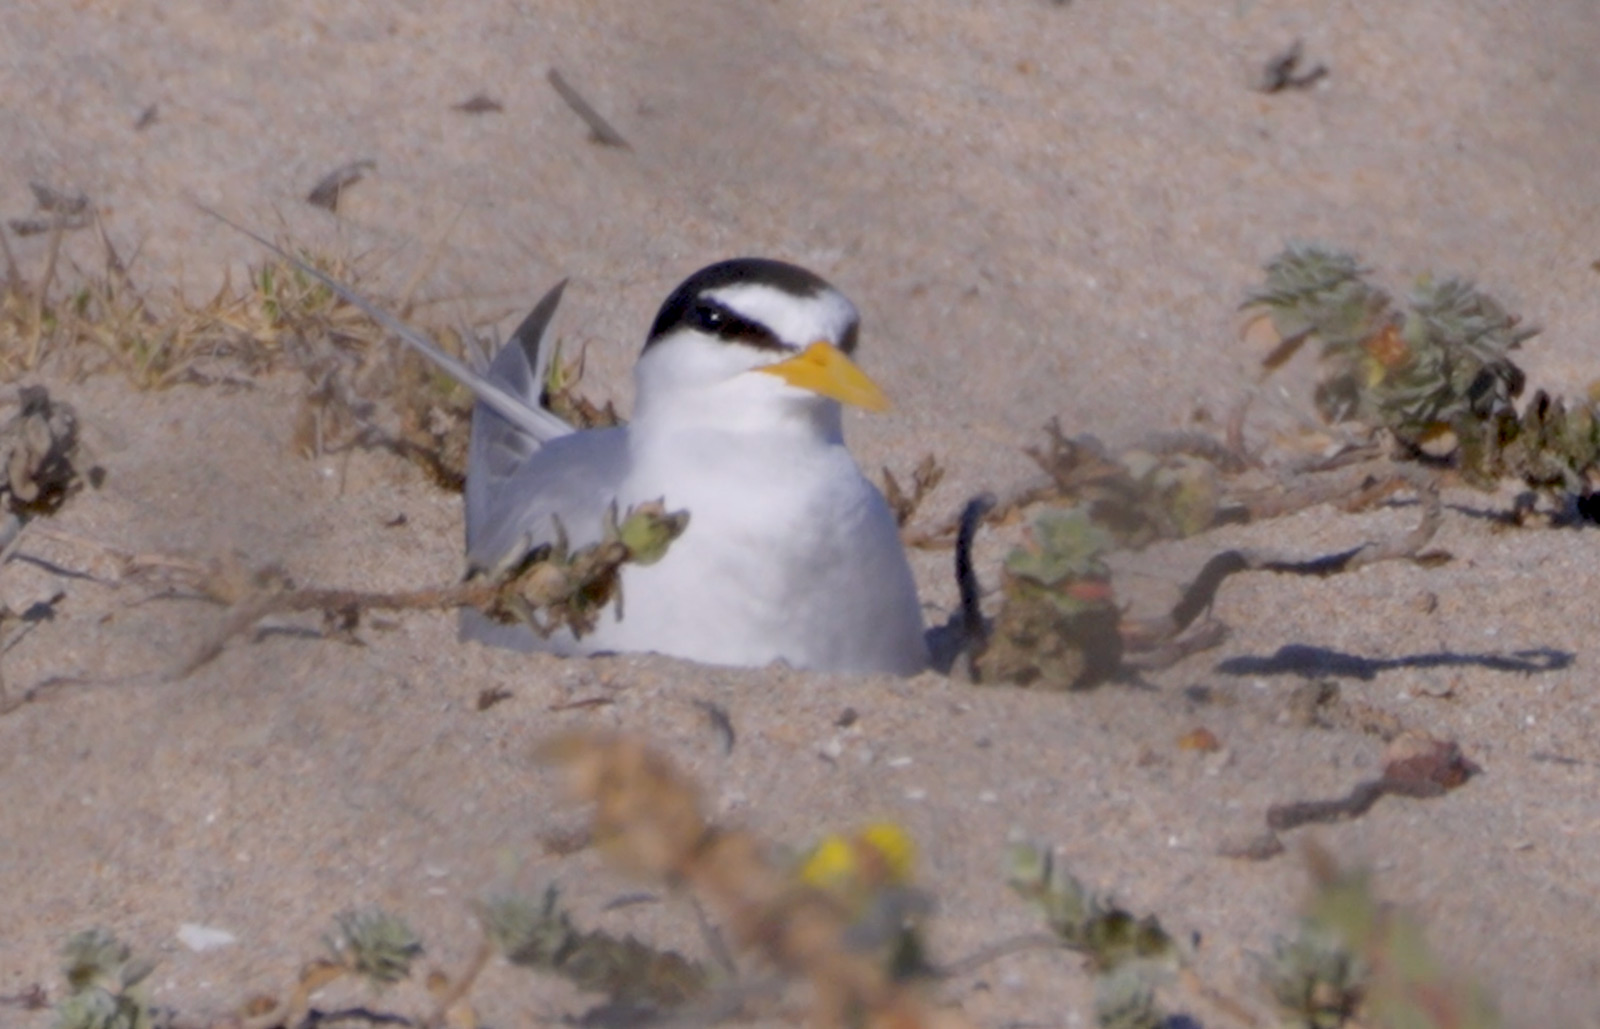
(374, 944)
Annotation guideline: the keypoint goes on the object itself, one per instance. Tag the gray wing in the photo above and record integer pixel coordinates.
(521, 482)
(573, 479)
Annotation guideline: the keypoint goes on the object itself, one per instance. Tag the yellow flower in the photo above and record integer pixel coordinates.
(850, 867)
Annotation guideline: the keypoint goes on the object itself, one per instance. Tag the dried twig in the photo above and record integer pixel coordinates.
(925, 478)
(600, 130)
(1201, 593)
(1283, 72)
(330, 188)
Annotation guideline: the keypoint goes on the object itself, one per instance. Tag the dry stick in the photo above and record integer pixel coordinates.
(1233, 430)
(114, 263)
(1303, 492)
(1145, 655)
(1357, 802)
(453, 994)
(1228, 456)
(1202, 592)
(36, 316)
(13, 273)
(476, 593)
(1001, 948)
(129, 563)
(598, 126)
(55, 684)
(330, 188)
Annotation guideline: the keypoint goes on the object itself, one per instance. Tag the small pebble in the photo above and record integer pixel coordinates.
(201, 938)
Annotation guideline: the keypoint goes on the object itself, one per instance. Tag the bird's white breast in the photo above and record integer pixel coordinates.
(790, 554)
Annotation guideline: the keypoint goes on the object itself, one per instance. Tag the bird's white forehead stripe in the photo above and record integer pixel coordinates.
(796, 320)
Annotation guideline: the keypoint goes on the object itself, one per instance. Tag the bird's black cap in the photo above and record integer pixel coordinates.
(686, 305)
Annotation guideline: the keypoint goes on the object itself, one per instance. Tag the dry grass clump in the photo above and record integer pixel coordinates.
(103, 321)
(363, 393)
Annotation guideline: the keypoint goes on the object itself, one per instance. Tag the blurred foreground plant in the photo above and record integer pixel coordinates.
(1354, 957)
(104, 983)
(1130, 957)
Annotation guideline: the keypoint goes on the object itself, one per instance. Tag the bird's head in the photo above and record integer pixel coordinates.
(753, 342)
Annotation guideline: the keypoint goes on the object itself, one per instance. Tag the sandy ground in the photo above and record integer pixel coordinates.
(1043, 209)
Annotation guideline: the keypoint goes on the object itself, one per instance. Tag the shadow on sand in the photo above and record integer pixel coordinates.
(1314, 662)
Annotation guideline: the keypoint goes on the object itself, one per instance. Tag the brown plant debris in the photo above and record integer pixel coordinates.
(600, 130)
(1283, 71)
(1201, 740)
(40, 455)
(925, 478)
(1416, 765)
(58, 212)
(329, 189)
(492, 695)
(549, 588)
(1416, 757)
(479, 103)
(1059, 626)
(649, 818)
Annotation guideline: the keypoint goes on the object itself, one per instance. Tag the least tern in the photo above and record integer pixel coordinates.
(790, 554)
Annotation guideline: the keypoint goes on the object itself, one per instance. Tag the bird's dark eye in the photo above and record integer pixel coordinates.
(708, 318)
(713, 319)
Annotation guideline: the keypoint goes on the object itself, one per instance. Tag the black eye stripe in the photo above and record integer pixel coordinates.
(717, 319)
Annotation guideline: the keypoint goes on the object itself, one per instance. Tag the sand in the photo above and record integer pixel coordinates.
(1043, 210)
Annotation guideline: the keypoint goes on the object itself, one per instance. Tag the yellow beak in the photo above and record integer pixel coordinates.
(823, 368)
